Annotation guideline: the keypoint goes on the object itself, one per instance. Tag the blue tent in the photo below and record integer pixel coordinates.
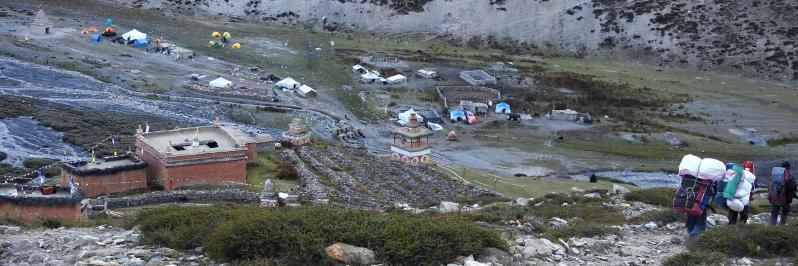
(141, 43)
(96, 38)
(503, 108)
(457, 115)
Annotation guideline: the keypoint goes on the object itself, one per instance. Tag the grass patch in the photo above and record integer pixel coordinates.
(299, 235)
(749, 240)
(663, 216)
(696, 258)
(782, 142)
(268, 166)
(660, 196)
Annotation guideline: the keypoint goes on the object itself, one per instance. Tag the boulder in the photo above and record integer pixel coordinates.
(350, 254)
(469, 261)
(577, 190)
(496, 257)
(541, 248)
(592, 195)
(557, 223)
(522, 202)
(618, 189)
(447, 206)
(651, 226)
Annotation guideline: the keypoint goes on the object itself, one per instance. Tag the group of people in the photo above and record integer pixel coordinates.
(736, 190)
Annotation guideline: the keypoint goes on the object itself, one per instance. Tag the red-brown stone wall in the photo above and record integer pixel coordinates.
(31, 212)
(187, 172)
(206, 173)
(252, 152)
(96, 185)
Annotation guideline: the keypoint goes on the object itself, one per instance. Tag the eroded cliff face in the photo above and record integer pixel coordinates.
(757, 36)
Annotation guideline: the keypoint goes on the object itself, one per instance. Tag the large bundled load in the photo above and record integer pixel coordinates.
(697, 175)
(737, 194)
(706, 168)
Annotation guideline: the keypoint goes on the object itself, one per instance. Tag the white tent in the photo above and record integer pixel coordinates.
(396, 79)
(306, 91)
(370, 77)
(288, 83)
(426, 73)
(405, 116)
(220, 83)
(134, 35)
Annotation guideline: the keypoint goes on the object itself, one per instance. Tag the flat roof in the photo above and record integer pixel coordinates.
(105, 165)
(210, 138)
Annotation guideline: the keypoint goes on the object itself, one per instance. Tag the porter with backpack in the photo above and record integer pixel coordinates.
(781, 191)
(696, 190)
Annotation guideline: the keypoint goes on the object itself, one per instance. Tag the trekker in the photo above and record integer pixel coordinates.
(781, 192)
(696, 224)
(743, 215)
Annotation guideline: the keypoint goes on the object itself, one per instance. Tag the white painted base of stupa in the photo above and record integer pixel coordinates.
(411, 157)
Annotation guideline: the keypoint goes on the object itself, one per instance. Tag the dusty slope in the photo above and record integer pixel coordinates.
(758, 37)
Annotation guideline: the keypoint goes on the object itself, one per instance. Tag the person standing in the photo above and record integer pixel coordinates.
(780, 193)
(743, 214)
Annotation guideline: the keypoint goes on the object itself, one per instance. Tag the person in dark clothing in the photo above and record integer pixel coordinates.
(790, 188)
(696, 224)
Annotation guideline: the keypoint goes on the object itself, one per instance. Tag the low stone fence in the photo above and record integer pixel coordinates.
(159, 197)
(454, 94)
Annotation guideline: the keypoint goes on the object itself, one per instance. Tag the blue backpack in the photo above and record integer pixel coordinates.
(777, 193)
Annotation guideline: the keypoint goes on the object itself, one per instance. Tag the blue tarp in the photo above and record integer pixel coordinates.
(141, 43)
(96, 38)
(457, 115)
(503, 108)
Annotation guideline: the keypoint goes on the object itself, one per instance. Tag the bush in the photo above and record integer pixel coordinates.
(660, 196)
(287, 172)
(696, 258)
(753, 240)
(664, 216)
(299, 235)
(181, 227)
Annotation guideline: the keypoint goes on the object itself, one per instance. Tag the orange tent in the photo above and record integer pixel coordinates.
(109, 29)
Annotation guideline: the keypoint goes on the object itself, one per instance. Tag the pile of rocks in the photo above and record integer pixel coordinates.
(102, 245)
(363, 180)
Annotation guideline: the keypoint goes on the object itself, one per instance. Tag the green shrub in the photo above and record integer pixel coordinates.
(661, 196)
(753, 240)
(251, 236)
(591, 213)
(498, 212)
(696, 258)
(663, 216)
(181, 227)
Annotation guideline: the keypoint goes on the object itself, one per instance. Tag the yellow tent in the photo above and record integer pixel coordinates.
(226, 35)
(215, 34)
(236, 46)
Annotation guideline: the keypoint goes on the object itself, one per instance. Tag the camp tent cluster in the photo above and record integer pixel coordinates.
(373, 76)
(222, 40)
(289, 84)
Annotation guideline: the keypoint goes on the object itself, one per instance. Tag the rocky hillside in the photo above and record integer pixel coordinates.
(757, 37)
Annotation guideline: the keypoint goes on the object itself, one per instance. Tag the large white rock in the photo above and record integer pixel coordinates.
(618, 189)
(447, 206)
(541, 248)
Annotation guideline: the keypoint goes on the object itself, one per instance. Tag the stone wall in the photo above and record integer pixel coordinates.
(37, 211)
(96, 185)
(160, 197)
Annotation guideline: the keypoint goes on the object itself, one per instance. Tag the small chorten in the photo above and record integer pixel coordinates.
(297, 133)
(41, 24)
(408, 146)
